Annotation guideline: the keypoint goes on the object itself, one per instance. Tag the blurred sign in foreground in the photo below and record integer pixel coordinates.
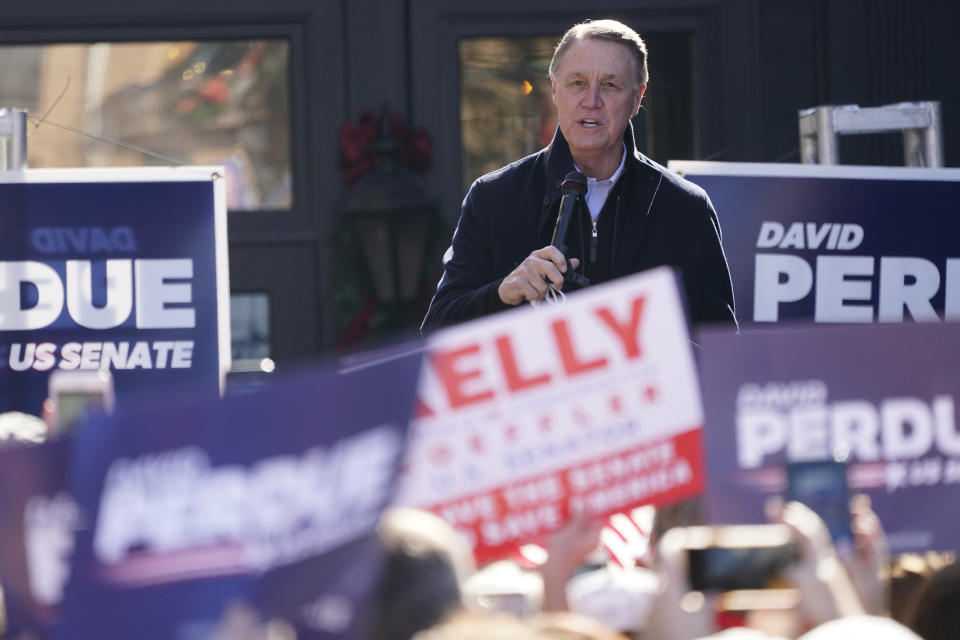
(528, 415)
(218, 518)
(883, 399)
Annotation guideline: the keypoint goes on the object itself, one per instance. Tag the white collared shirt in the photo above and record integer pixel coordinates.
(598, 190)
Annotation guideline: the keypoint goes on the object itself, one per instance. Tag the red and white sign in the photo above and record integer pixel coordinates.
(528, 415)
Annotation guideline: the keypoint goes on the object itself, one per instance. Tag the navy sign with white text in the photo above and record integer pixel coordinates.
(837, 244)
(119, 269)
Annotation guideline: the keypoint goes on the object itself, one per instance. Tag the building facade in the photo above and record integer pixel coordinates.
(265, 89)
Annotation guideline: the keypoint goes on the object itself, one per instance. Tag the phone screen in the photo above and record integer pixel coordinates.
(735, 568)
(74, 405)
(822, 486)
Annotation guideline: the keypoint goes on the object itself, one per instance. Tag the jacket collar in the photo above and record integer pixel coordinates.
(641, 180)
(559, 160)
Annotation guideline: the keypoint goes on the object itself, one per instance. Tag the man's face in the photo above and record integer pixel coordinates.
(596, 93)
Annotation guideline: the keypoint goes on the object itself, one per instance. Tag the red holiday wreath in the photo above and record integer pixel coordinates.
(359, 153)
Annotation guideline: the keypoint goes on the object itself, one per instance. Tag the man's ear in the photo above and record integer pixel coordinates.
(636, 107)
(553, 89)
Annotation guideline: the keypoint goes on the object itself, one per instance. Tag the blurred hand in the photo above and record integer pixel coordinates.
(678, 613)
(567, 549)
(529, 281)
(826, 591)
(869, 563)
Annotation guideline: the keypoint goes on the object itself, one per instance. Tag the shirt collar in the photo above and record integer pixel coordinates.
(616, 174)
(558, 160)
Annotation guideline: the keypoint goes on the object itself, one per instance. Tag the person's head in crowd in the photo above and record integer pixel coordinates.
(935, 612)
(910, 571)
(741, 633)
(620, 596)
(566, 625)
(427, 561)
(488, 625)
(860, 628)
(482, 625)
(18, 427)
(907, 575)
(506, 587)
(240, 621)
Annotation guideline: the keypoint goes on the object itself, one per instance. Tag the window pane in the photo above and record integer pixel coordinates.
(249, 326)
(507, 112)
(148, 103)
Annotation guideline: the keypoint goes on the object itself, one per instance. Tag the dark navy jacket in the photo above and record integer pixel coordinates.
(661, 219)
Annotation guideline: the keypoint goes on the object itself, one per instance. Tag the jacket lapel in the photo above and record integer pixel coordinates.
(640, 183)
(639, 189)
(559, 163)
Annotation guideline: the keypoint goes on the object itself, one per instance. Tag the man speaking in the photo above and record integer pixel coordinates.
(635, 215)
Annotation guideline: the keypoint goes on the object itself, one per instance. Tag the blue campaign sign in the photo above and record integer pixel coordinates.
(883, 399)
(217, 518)
(837, 244)
(123, 269)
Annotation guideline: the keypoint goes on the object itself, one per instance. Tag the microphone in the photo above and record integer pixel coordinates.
(574, 185)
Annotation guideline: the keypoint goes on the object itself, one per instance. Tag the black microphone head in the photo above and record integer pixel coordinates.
(575, 182)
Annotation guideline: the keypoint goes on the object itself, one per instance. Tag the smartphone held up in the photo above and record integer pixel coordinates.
(822, 486)
(71, 395)
(739, 557)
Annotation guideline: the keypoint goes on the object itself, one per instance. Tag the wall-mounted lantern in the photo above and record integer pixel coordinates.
(390, 213)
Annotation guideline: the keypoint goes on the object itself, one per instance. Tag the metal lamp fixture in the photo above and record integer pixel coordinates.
(390, 214)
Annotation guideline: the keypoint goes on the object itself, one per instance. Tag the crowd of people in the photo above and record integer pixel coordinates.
(579, 586)
(431, 590)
